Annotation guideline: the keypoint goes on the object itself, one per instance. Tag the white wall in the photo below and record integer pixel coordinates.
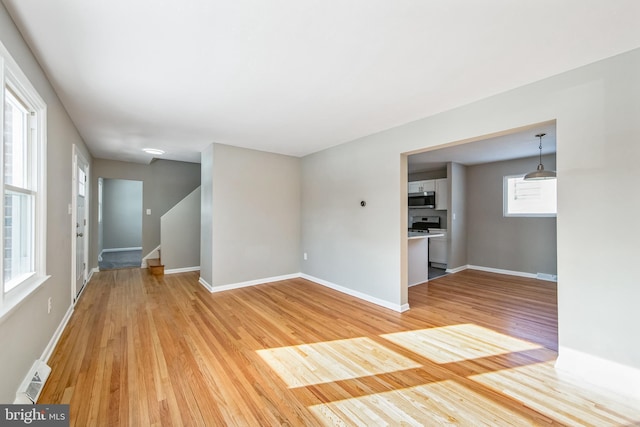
(206, 215)
(25, 332)
(458, 218)
(254, 200)
(596, 108)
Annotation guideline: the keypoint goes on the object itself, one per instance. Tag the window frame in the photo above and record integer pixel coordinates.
(12, 77)
(505, 202)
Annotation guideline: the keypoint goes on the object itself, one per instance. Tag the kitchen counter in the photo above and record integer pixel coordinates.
(418, 256)
(419, 235)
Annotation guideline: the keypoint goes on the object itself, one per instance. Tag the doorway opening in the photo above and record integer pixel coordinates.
(119, 223)
(467, 179)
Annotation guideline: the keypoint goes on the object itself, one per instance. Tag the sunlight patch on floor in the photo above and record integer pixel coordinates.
(307, 364)
(456, 343)
(443, 403)
(539, 387)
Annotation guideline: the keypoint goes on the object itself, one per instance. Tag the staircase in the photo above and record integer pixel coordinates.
(179, 238)
(155, 266)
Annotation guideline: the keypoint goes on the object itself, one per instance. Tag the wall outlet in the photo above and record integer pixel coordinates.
(304, 256)
(49, 305)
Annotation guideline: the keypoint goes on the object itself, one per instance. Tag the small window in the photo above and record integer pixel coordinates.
(23, 155)
(529, 198)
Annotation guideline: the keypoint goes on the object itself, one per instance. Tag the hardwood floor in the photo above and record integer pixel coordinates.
(475, 349)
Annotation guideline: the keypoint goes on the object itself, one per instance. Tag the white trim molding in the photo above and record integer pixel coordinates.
(457, 269)
(121, 249)
(602, 373)
(540, 276)
(386, 304)
(501, 271)
(238, 285)
(206, 284)
(48, 350)
(182, 270)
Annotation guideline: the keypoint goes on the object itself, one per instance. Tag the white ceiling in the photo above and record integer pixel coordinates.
(512, 145)
(297, 76)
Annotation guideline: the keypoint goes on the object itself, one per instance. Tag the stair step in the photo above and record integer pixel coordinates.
(155, 266)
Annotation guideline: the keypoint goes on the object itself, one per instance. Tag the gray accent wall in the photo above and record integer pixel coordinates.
(121, 214)
(253, 201)
(164, 183)
(26, 331)
(595, 108)
(180, 233)
(522, 244)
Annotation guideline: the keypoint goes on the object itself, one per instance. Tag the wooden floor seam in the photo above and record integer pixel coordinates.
(475, 348)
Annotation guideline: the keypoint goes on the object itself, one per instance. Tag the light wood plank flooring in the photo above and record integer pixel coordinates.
(475, 349)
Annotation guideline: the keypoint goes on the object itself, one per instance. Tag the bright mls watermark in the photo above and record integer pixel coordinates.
(34, 415)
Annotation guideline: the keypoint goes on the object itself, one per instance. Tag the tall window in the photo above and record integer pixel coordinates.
(22, 181)
(529, 198)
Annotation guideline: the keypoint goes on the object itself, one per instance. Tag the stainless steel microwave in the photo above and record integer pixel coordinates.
(424, 199)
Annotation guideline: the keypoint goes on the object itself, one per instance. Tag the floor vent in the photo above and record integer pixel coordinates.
(32, 384)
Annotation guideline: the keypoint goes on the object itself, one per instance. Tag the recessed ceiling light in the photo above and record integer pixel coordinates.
(153, 151)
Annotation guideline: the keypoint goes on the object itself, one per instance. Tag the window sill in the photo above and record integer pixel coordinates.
(16, 297)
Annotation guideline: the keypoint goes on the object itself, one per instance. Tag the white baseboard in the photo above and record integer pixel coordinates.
(386, 304)
(121, 249)
(362, 296)
(606, 374)
(238, 285)
(540, 276)
(501, 271)
(182, 270)
(457, 269)
(206, 284)
(548, 277)
(48, 350)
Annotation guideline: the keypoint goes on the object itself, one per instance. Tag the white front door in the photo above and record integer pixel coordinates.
(79, 220)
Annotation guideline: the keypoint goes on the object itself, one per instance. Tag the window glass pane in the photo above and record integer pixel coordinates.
(530, 197)
(81, 182)
(18, 238)
(16, 142)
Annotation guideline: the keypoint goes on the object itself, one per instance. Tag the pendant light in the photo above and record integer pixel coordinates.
(540, 173)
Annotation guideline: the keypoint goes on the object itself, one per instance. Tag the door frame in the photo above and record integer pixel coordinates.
(77, 159)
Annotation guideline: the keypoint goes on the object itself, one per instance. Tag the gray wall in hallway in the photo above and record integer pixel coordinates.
(122, 213)
(26, 331)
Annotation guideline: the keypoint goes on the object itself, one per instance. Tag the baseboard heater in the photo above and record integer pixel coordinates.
(32, 384)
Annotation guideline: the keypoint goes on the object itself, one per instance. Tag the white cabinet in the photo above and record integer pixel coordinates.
(414, 186)
(429, 185)
(422, 186)
(442, 194)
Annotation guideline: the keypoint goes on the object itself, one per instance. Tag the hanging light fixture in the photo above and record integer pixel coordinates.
(540, 173)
